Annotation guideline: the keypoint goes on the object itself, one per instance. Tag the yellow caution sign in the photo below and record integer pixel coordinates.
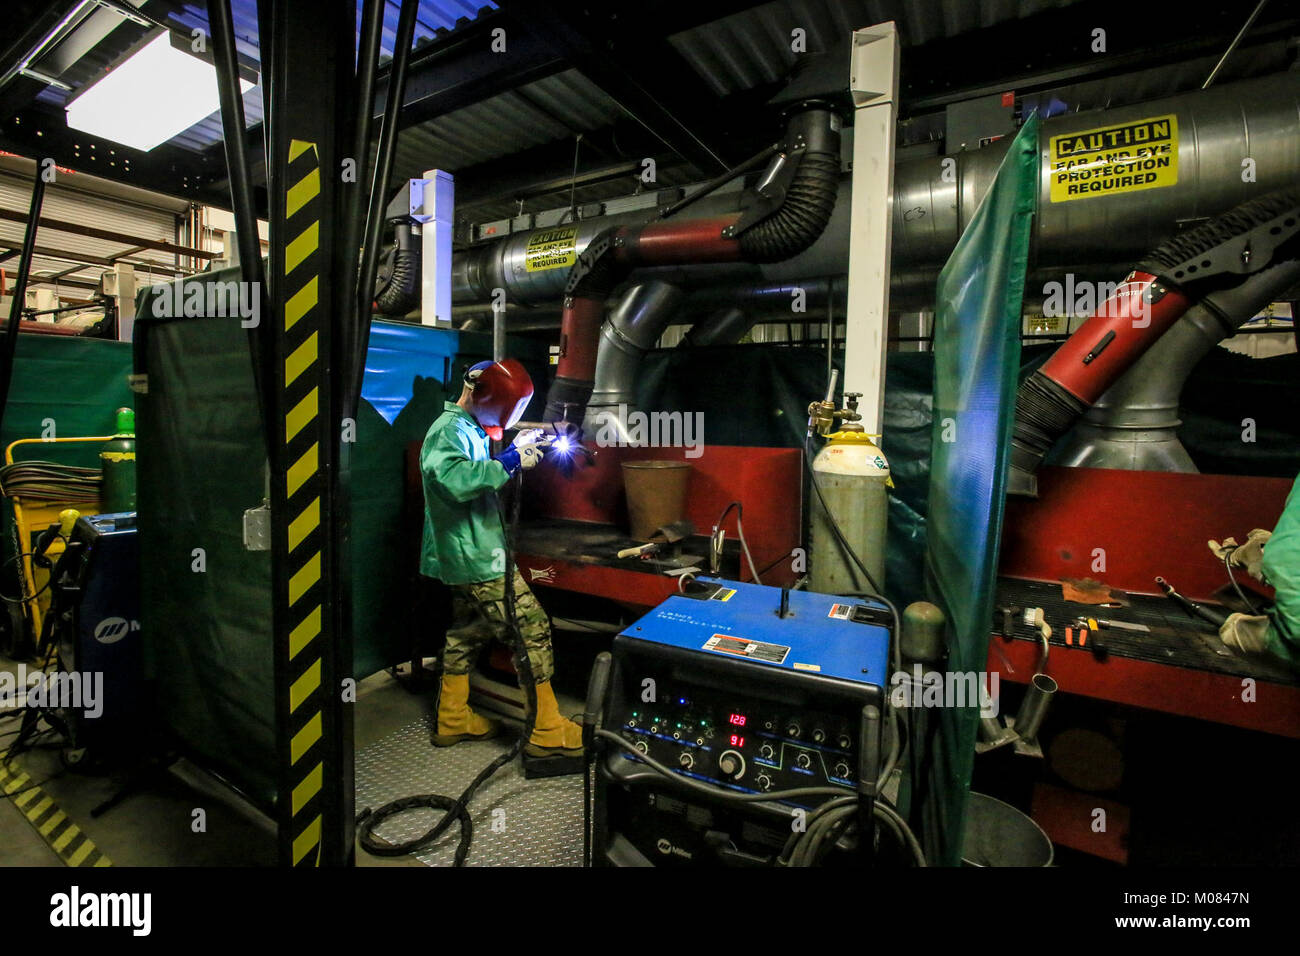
(1123, 158)
(551, 249)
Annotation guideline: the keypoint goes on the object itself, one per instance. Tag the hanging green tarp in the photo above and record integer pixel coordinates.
(977, 360)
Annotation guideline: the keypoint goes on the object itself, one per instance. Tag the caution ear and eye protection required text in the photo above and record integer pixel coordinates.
(1123, 158)
(551, 249)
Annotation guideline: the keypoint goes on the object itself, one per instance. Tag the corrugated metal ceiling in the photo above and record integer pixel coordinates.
(754, 47)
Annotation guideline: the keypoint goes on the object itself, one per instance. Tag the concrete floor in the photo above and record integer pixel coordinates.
(152, 826)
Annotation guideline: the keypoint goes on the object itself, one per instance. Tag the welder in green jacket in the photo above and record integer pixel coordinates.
(464, 546)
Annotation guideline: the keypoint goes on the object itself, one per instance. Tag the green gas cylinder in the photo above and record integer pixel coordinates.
(117, 458)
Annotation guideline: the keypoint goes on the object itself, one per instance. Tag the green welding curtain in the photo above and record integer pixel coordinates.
(977, 360)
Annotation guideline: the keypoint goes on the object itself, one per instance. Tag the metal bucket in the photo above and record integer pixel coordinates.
(997, 834)
(656, 494)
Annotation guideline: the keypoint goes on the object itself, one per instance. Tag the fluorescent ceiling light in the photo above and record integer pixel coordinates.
(157, 93)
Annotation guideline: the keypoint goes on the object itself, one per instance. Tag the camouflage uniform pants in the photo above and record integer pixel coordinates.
(486, 602)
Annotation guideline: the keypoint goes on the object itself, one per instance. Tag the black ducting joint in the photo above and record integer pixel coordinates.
(810, 198)
(565, 394)
(1197, 253)
(1044, 412)
(597, 272)
(401, 292)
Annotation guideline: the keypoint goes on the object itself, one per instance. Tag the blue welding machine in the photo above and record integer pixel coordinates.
(744, 689)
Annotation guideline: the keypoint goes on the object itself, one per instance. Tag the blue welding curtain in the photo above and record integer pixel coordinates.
(977, 357)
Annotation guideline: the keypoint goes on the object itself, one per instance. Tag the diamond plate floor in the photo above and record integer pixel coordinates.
(517, 822)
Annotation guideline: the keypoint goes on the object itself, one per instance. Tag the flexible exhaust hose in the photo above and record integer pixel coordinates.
(810, 198)
(607, 261)
(401, 293)
(1149, 300)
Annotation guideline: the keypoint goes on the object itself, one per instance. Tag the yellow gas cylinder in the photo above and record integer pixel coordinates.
(853, 476)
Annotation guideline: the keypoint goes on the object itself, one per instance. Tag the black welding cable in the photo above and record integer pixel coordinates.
(458, 809)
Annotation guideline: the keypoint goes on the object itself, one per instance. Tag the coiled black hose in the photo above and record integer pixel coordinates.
(802, 217)
(810, 197)
(401, 293)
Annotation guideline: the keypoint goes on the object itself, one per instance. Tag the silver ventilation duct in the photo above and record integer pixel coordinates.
(631, 329)
(1133, 426)
(1219, 129)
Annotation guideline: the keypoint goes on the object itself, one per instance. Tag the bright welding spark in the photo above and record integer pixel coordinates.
(563, 445)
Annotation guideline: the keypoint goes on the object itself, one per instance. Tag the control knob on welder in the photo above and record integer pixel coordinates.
(804, 761)
(764, 782)
(642, 746)
(842, 770)
(686, 761)
(766, 752)
(732, 764)
(792, 730)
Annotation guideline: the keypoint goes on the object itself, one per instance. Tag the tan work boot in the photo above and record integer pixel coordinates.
(553, 735)
(456, 722)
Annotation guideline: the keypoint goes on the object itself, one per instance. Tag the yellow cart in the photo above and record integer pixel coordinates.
(32, 515)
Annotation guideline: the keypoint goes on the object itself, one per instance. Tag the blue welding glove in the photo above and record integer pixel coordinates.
(524, 452)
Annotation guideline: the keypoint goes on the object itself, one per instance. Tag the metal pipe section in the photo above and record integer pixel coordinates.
(354, 198)
(935, 197)
(248, 241)
(632, 329)
(1217, 129)
(1033, 709)
(800, 215)
(1167, 282)
(378, 194)
(19, 291)
(1133, 426)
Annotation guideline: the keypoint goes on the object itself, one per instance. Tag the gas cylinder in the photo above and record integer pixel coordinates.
(117, 459)
(853, 476)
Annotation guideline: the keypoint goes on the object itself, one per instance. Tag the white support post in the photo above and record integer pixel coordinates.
(873, 72)
(433, 208)
(120, 284)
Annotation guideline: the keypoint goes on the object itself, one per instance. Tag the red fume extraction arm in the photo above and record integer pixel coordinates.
(793, 203)
(1214, 256)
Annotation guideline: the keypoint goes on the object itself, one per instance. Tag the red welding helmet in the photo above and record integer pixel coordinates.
(502, 390)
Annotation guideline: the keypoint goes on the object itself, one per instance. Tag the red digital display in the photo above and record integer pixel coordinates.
(737, 720)
(737, 740)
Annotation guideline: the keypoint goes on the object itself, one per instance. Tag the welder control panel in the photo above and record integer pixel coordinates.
(737, 741)
(750, 687)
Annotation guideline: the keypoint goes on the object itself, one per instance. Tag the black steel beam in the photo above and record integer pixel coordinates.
(308, 72)
(462, 68)
(619, 49)
(455, 71)
(549, 167)
(19, 292)
(109, 235)
(39, 133)
(1056, 46)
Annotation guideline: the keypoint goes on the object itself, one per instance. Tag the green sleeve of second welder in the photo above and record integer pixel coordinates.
(1282, 571)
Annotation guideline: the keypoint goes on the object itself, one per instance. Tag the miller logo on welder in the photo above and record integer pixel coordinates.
(738, 691)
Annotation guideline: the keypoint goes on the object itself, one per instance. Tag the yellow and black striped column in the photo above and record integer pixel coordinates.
(302, 540)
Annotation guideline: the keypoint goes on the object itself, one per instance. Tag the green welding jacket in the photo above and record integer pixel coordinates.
(464, 542)
(1281, 566)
